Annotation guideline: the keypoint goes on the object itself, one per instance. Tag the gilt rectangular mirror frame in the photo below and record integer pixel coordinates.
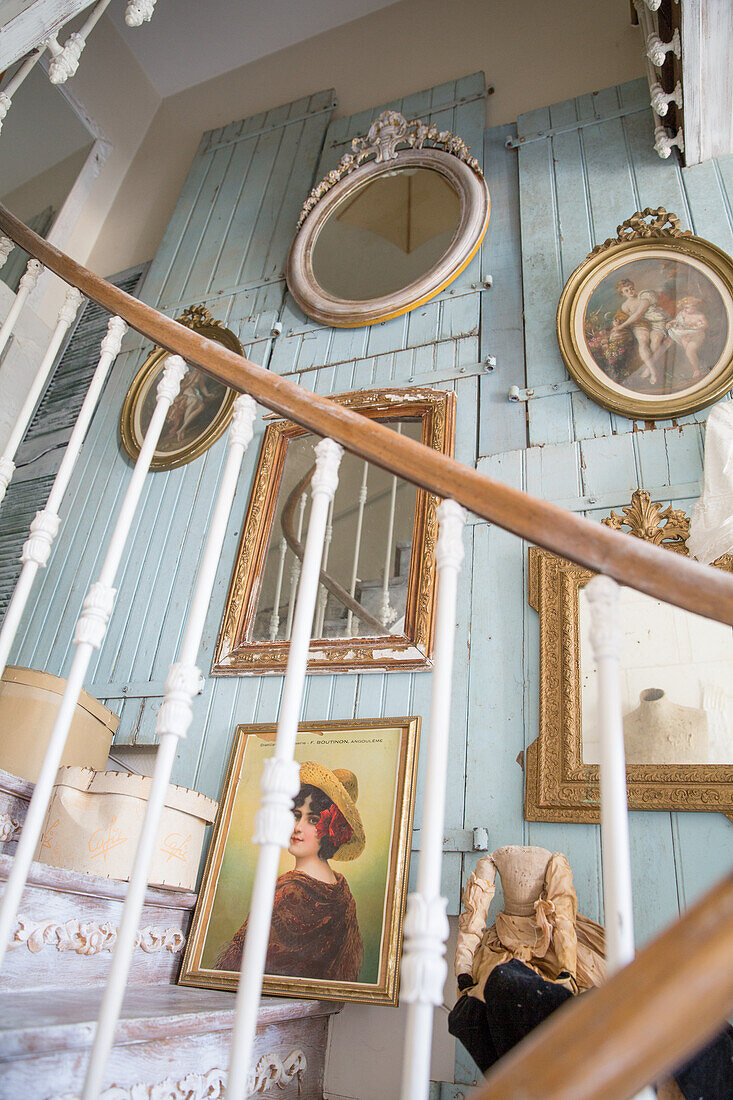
(375, 604)
(675, 668)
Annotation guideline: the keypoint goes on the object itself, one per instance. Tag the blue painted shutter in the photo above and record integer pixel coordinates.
(39, 455)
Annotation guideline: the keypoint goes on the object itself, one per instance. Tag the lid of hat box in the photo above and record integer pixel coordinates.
(29, 703)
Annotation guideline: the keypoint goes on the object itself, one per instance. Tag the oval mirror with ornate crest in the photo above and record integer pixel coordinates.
(390, 227)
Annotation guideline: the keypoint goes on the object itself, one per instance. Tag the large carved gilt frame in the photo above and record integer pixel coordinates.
(559, 786)
(236, 655)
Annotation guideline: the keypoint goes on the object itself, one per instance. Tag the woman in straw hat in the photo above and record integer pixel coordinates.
(315, 931)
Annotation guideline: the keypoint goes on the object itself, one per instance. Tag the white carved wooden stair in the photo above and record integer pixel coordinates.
(170, 1042)
(67, 928)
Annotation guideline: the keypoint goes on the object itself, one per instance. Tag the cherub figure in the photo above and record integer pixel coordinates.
(689, 329)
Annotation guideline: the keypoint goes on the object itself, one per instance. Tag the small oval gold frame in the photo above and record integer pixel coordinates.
(201, 321)
(447, 155)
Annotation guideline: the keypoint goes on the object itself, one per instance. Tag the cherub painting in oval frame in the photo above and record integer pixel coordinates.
(645, 323)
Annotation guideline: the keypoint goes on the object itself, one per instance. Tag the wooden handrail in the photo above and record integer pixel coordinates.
(631, 561)
(644, 1023)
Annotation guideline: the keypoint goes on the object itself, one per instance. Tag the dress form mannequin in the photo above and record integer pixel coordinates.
(538, 952)
(662, 732)
(522, 873)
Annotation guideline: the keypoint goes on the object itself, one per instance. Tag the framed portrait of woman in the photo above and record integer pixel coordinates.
(342, 882)
(645, 323)
(200, 412)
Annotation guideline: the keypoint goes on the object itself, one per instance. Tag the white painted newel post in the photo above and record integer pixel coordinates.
(605, 639)
(45, 526)
(174, 717)
(66, 316)
(426, 924)
(89, 635)
(280, 777)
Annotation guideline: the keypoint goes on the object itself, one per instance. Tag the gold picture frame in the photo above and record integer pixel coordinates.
(376, 760)
(645, 323)
(237, 652)
(393, 147)
(200, 413)
(559, 784)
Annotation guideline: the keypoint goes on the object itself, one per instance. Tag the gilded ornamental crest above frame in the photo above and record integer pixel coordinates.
(674, 670)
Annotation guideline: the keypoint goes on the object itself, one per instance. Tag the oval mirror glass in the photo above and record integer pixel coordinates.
(387, 234)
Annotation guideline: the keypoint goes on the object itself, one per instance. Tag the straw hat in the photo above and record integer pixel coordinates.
(342, 788)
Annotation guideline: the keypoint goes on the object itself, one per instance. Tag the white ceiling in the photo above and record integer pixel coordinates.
(237, 32)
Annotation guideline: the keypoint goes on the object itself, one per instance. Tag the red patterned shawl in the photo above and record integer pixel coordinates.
(314, 932)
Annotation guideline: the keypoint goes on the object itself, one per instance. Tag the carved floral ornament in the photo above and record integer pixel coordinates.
(451, 214)
(270, 1072)
(90, 937)
(385, 136)
(559, 784)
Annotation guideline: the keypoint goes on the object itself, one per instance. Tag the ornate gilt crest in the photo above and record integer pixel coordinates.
(388, 133)
(668, 527)
(197, 317)
(651, 222)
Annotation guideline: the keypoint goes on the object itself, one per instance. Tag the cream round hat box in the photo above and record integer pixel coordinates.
(94, 820)
(29, 703)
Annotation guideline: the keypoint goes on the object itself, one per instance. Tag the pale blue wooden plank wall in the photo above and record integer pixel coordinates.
(226, 245)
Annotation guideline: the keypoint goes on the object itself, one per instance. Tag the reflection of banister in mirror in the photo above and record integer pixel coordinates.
(298, 549)
(382, 531)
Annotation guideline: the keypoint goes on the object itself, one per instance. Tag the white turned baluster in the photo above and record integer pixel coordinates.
(660, 100)
(6, 96)
(6, 247)
(27, 282)
(280, 777)
(66, 316)
(295, 568)
(65, 59)
(605, 639)
(138, 12)
(426, 924)
(89, 635)
(657, 51)
(174, 717)
(44, 527)
(665, 142)
(352, 627)
(275, 616)
(387, 614)
(323, 591)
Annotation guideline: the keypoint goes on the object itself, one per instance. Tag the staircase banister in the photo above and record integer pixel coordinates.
(631, 561)
(645, 1022)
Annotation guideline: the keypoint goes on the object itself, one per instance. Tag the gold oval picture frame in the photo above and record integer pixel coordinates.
(199, 414)
(394, 144)
(645, 323)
